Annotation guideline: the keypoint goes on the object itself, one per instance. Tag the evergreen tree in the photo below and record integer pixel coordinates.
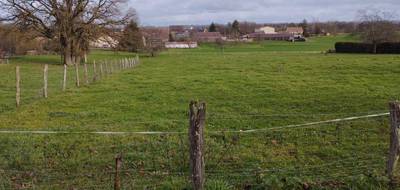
(212, 28)
(131, 39)
(235, 29)
(304, 25)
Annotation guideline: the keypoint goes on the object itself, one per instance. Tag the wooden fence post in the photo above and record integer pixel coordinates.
(45, 77)
(94, 71)
(197, 120)
(394, 148)
(118, 164)
(65, 78)
(77, 74)
(18, 87)
(112, 65)
(85, 73)
(106, 67)
(101, 70)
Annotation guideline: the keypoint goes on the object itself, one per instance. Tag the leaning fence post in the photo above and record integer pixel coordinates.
(77, 74)
(197, 119)
(17, 85)
(65, 78)
(118, 164)
(394, 138)
(45, 74)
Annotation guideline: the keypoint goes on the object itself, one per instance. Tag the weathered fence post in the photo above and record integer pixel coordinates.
(77, 74)
(45, 74)
(65, 78)
(101, 70)
(118, 164)
(94, 71)
(18, 87)
(106, 67)
(112, 65)
(197, 120)
(394, 148)
(85, 73)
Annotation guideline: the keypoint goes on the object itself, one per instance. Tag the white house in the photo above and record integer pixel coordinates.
(180, 45)
(266, 30)
(104, 42)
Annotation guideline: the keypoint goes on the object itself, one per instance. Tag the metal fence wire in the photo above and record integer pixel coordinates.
(327, 154)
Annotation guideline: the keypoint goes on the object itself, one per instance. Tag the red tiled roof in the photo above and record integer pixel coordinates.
(294, 29)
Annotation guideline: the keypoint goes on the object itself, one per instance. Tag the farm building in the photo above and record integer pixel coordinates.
(266, 30)
(181, 45)
(207, 36)
(161, 33)
(277, 36)
(295, 30)
(104, 42)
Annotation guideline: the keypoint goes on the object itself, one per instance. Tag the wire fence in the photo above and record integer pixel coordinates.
(27, 83)
(330, 154)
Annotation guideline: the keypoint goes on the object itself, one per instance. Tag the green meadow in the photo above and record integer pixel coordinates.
(263, 86)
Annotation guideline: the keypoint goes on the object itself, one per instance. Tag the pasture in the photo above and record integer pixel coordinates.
(257, 86)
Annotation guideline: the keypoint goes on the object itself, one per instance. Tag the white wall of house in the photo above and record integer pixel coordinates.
(180, 45)
(266, 30)
(104, 42)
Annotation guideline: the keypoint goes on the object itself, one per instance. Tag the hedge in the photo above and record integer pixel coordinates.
(382, 48)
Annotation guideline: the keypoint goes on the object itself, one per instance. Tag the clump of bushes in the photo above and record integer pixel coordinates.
(382, 48)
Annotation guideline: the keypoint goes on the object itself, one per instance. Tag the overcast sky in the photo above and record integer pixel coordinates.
(169, 12)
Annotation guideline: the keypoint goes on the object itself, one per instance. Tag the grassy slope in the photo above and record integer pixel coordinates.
(249, 86)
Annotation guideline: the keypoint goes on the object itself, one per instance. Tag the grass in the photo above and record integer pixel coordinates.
(249, 86)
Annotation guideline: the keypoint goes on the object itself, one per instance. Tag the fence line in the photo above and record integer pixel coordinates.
(211, 132)
(129, 62)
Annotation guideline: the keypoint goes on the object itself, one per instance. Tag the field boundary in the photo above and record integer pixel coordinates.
(176, 132)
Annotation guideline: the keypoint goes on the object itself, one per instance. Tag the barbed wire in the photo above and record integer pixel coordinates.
(305, 125)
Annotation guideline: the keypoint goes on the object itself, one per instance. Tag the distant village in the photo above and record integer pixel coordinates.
(152, 39)
(190, 36)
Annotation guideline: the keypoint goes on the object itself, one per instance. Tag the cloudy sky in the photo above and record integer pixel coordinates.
(168, 12)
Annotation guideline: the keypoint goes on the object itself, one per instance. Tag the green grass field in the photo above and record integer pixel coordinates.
(249, 86)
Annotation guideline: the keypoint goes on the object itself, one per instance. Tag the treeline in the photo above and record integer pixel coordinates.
(18, 42)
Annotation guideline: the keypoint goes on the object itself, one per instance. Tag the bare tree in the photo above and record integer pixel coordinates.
(73, 22)
(377, 27)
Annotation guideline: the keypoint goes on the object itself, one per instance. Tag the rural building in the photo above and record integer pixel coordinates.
(207, 36)
(159, 33)
(277, 36)
(181, 45)
(104, 42)
(295, 30)
(181, 32)
(266, 30)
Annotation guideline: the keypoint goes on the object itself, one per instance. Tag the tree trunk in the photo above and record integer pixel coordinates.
(66, 47)
(78, 59)
(67, 55)
(85, 57)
